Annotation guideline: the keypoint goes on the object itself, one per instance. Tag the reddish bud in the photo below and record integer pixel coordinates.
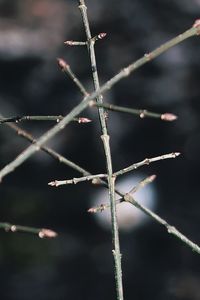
(47, 233)
(62, 64)
(168, 117)
(151, 178)
(69, 43)
(92, 210)
(84, 120)
(102, 35)
(197, 25)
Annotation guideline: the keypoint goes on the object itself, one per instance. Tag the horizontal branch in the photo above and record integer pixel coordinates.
(75, 43)
(57, 119)
(97, 37)
(96, 178)
(41, 232)
(142, 113)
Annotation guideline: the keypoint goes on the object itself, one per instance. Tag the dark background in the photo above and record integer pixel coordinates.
(78, 263)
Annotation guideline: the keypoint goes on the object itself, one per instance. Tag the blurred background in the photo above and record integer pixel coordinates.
(78, 263)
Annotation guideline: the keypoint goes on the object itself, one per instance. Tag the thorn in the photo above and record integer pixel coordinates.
(168, 117)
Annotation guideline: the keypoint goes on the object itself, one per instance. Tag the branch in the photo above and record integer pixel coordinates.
(106, 143)
(146, 161)
(97, 37)
(170, 229)
(18, 119)
(96, 178)
(27, 136)
(195, 30)
(41, 232)
(142, 113)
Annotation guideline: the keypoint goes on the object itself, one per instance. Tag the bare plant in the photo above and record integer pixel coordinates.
(108, 179)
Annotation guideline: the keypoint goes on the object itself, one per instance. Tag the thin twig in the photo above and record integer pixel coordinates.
(41, 232)
(170, 229)
(142, 113)
(75, 43)
(18, 119)
(67, 70)
(195, 30)
(146, 161)
(29, 137)
(95, 178)
(97, 37)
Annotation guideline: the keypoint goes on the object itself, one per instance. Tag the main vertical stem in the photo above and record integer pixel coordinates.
(106, 143)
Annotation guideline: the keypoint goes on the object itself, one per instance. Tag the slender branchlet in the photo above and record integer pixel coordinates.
(170, 229)
(67, 70)
(75, 43)
(95, 178)
(57, 119)
(146, 161)
(97, 37)
(142, 113)
(41, 232)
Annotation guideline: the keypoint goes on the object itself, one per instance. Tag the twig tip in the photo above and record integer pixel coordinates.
(62, 63)
(84, 120)
(102, 35)
(197, 25)
(47, 233)
(168, 117)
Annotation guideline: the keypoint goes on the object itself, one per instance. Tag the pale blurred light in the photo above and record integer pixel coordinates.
(129, 217)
